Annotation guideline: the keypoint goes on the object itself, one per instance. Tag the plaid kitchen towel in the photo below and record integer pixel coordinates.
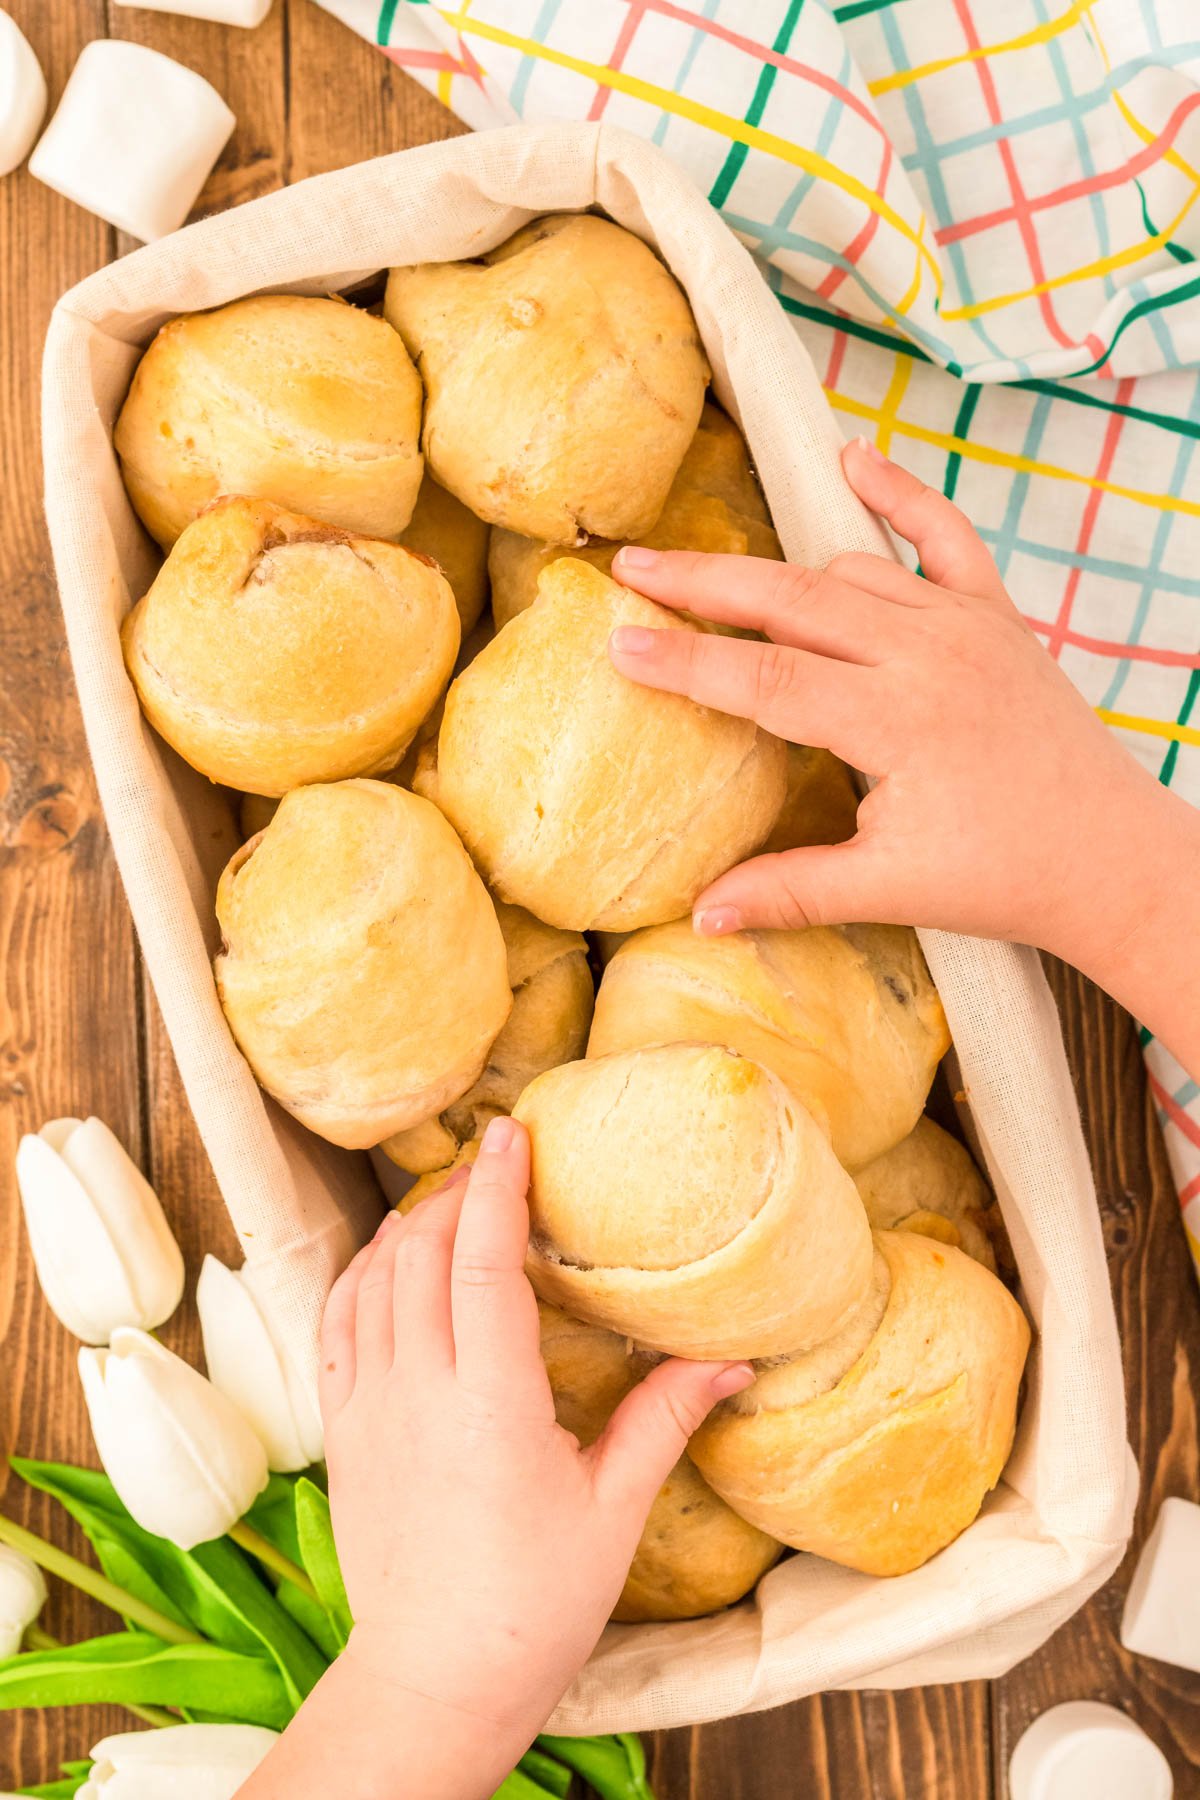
(981, 216)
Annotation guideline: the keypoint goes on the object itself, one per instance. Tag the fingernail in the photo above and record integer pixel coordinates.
(632, 640)
(732, 1380)
(500, 1135)
(869, 449)
(386, 1225)
(636, 556)
(716, 921)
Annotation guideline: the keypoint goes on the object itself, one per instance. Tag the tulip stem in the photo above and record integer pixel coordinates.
(91, 1581)
(258, 1546)
(37, 1639)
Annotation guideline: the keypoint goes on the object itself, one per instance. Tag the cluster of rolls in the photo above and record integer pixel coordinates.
(382, 622)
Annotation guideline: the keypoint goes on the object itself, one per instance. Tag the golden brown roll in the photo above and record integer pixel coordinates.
(363, 972)
(442, 527)
(684, 1197)
(821, 803)
(272, 651)
(714, 505)
(846, 1015)
(877, 1448)
(589, 800)
(425, 1185)
(563, 376)
(929, 1183)
(308, 402)
(552, 1009)
(696, 1555)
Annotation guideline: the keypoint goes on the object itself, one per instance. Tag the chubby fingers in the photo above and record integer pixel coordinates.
(649, 1431)
(424, 1251)
(809, 609)
(951, 551)
(494, 1310)
(795, 694)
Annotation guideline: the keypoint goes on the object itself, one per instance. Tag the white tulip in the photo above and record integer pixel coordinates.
(250, 1364)
(180, 1455)
(22, 1597)
(188, 1762)
(101, 1244)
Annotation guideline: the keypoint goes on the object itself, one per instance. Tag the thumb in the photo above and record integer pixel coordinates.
(826, 884)
(649, 1431)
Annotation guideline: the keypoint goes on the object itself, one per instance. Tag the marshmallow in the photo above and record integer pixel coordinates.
(22, 95)
(222, 12)
(134, 138)
(1162, 1609)
(1086, 1751)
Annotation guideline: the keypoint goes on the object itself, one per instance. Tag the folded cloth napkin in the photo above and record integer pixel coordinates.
(983, 223)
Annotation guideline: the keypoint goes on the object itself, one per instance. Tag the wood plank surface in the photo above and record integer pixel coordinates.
(81, 1031)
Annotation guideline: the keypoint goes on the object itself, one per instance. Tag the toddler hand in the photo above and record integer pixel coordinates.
(1001, 800)
(482, 1549)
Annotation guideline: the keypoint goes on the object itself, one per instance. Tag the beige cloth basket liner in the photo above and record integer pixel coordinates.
(1057, 1524)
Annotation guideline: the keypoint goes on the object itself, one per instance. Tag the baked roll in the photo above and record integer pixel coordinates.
(272, 651)
(846, 1015)
(714, 505)
(877, 1447)
(929, 1183)
(589, 800)
(363, 971)
(425, 1185)
(695, 1555)
(443, 528)
(683, 1197)
(820, 805)
(563, 375)
(552, 1009)
(308, 402)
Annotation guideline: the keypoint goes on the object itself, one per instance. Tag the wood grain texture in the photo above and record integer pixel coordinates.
(81, 1031)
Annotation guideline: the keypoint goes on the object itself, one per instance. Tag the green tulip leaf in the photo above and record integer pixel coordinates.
(274, 1516)
(518, 1786)
(554, 1776)
(615, 1766)
(318, 1553)
(127, 1555)
(213, 1588)
(131, 1667)
(73, 1774)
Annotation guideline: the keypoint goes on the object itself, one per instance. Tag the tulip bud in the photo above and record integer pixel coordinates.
(189, 1762)
(251, 1365)
(101, 1244)
(183, 1460)
(22, 1597)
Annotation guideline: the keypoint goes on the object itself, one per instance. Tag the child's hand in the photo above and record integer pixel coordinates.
(482, 1549)
(1003, 808)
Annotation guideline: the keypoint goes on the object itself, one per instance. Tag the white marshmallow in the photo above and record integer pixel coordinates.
(134, 138)
(222, 12)
(1162, 1608)
(1086, 1751)
(22, 95)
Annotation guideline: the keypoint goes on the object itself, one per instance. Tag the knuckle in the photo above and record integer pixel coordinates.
(774, 679)
(417, 1248)
(475, 1270)
(674, 1412)
(798, 587)
(798, 907)
(850, 563)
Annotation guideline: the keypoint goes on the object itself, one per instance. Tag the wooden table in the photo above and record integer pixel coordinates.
(81, 1032)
